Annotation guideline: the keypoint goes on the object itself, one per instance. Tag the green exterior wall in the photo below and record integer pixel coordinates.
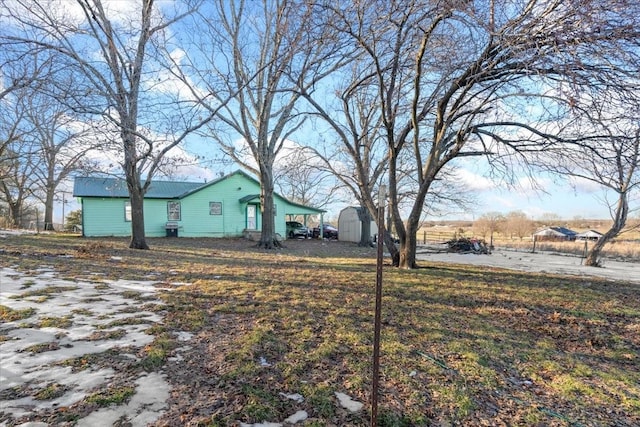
(106, 216)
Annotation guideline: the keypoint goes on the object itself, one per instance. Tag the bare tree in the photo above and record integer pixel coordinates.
(490, 222)
(269, 47)
(517, 223)
(18, 73)
(62, 143)
(19, 70)
(298, 177)
(550, 218)
(455, 79)
(607, 153)
(358, 159)
(11, 133)
(17, 167)
(114, 61)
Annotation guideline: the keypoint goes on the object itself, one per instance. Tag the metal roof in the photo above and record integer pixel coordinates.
(555, 231)
(589, 233)
(249, 198)
(116, 187)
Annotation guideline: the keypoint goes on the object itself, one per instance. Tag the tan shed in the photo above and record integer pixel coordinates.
(350, 225)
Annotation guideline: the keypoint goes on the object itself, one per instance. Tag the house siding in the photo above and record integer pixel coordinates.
(105, 216)
(196, 220)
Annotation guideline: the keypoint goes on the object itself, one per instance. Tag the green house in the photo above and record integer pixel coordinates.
(226, 207)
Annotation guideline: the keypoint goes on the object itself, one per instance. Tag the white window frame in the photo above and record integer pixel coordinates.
(215, 208)
(174, 211)
(127, 211)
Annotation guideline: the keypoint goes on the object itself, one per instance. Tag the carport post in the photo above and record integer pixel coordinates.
(382, 194)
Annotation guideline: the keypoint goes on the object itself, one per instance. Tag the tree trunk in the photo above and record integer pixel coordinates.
(593, 257)
(268, 238)
(138, 238)
(15, 213)
(48, 209)
(409, 245)
(392, 248)
(136, 197)
(365, 227)
(408, 237)
(619, 221)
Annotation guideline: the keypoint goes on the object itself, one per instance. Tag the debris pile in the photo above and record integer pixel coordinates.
(464, 245)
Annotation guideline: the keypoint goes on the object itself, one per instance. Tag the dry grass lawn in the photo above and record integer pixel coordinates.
(461, 345)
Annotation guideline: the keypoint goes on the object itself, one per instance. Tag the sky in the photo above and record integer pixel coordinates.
(585, 200)
(582, 199)
(566, 201)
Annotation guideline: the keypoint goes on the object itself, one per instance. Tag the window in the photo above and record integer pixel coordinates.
(215, 208)
(173, 211)
(251, 217)
(127, 211)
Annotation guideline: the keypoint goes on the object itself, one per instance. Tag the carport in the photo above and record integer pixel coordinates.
(295, 211)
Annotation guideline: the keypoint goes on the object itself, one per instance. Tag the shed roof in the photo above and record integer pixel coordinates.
(555, 231)
(589, 233)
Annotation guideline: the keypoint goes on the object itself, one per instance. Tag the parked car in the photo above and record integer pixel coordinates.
(296, 229)
(395, 239)
(328, 232)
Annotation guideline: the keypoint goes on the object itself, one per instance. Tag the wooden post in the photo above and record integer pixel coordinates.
(534, 244)
(378, 310)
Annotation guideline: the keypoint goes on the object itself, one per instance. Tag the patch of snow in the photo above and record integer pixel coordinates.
(267, 424)
(183, 335)
(145, 407)
(298, 416)
(263, 362)
(348, 403)
(90, 310)
(16, 232)
(295, 396)
(177, 284)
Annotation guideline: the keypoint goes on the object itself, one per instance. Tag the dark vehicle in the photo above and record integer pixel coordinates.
(328, 232)
(395, 239)
(296, 229)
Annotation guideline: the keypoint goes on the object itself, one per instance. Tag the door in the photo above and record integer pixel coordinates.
(251, 217)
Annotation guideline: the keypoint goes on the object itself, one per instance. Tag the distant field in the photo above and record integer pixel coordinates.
(627, 246)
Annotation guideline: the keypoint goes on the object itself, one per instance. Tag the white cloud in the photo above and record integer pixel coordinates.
(584, 185)
(289, 148)
(71, 13)
(473, 181)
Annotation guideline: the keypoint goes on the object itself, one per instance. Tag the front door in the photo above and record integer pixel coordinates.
(251, 217)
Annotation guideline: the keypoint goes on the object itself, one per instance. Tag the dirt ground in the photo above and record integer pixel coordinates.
(539, 262)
